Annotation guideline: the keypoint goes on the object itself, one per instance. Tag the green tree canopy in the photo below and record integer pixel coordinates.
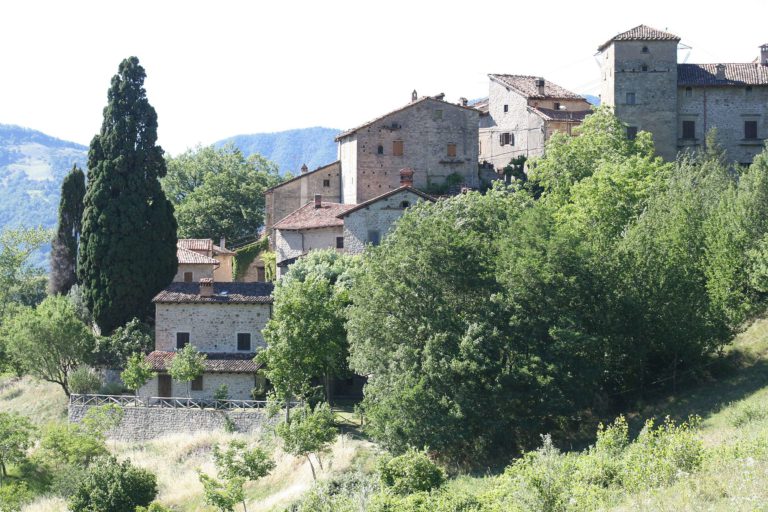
(128, 242)
(114, 486)
(64, 246)
(187, 365)
(16, 437)
(219, 192)
(137, 372)
(17, 275)
(310, 431)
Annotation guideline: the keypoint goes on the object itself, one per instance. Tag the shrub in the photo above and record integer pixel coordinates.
(112, 388)
(65, 444)
(114, 486)
(84, 380)
(154, 507)
(745, 412)
(221, 393)
(14, 495)
(411, 472)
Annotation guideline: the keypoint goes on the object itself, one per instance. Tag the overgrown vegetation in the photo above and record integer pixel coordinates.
(246, 254)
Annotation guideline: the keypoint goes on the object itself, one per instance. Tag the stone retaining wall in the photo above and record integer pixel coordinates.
(143, 423)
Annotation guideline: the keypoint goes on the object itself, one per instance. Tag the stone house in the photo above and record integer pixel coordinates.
(201, 258)
(193, 266)
(435, 138)
(313, 226)
(222, 320)
(369, 221)
(290, 195)
(679, 102)
(521, 114)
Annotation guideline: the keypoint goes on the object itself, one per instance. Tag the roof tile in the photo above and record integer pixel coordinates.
(309, 217)
(187, 257)
(526, 86)
(223, 293)
(195, 244)
(735, 74)
(215, 362)
(640, 33)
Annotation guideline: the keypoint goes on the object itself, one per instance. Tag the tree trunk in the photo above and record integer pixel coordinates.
(328, 388)
(314, 476)
(288, 407)
(319, 462)
(245, 509)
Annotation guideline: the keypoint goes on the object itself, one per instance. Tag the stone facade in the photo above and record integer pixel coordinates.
(679, 103)
(144, 423)
(198, 271)
(295, 193)
(239, 386)
(374, 220)
(431, 136)
(291, 244)
(211, 327)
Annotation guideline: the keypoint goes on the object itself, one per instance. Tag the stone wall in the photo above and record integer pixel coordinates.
(239, 386)
(290, 243)
(211, 327)
(198, 271)
(143, 423)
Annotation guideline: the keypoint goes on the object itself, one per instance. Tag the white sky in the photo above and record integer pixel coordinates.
(217, 69)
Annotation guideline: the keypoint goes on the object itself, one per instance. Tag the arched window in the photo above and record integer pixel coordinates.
(380, 150)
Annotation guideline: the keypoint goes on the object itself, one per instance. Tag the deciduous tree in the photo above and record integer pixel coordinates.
(187, 365)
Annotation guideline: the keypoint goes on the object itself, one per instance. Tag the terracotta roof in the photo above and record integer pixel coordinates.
(526, 86)
(309, 217)
(195, 244)
(216, 362)
(640, 33)
(187, 257)
(386, 195)
(223, 293)
(560, 115)
(301, 176)
(735, 74)
(404, 107)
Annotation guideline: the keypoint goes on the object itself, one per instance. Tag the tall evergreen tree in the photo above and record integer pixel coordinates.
(64, 244)
(128, 243)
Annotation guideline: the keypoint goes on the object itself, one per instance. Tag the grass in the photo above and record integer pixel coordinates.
(42, 402)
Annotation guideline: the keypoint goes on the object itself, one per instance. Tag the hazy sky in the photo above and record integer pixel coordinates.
(217, 69)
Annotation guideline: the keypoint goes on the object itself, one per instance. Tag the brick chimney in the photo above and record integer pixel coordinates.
(206, 286)
(463, 101)
(414, 96)
(406, 177)
(720, 73)
(318, 200)
(440, 96)
(764, 54)
(304, 169)
(540, 86)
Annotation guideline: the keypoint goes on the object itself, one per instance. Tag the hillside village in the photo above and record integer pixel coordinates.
(548, 308)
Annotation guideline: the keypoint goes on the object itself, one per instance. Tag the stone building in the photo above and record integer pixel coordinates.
(678, 102)
(193, 266)
(370, 221)
(435, 138)
(521, 114)
(313, 226)
(222, 320)
(290, 195)
(201, 258)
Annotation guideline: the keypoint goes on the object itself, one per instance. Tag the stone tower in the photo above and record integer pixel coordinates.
(639, 79)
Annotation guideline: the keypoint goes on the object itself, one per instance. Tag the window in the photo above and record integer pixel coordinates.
(506, 138)
(556, 105)
(438, 115)
(452, 150)
(197, 384)
(339, 242)
(373, 237)
(182, 339)
(244, 341)
(397, 148)
(644, 67)
(326, 183)
(380, 150)
(689, 129)
(645, 49)
(506, 108)
(631, 132)
(405, 204)
(261, 274)
(688, 92)
(750, 129)
(630, 98)
(188, 277)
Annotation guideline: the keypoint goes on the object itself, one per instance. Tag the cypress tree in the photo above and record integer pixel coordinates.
(64, 244)
(128, 243)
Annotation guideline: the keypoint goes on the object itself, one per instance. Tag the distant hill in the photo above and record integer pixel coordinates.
(290, 149)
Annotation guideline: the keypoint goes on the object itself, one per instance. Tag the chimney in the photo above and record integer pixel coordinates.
(414, 96)
(406, 177)
(206, 286)
(540, 86)
(463, 101)
(764, 54)
(304, 169)
(223, 243)
(440, 96)
(318, 200)
(720, 73)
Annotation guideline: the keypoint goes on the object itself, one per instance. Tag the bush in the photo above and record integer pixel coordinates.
(114, 486)
(112, 388)
(84, 380)
(154, 507)
(65, 444)
(13, 496)
(411, 472)
(221, 393)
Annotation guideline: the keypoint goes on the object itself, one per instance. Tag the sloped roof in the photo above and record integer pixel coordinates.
(195, 244)
(309, 217)
(385, 195)
(404, 107)
(223, 293)
(735, 74)
(526, 86)
(216, 362)
(640, 33)
(187, 257)
(218, 250)
(323, 167)
(549, 114)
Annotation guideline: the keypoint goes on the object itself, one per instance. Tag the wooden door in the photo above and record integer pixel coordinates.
(164, 386)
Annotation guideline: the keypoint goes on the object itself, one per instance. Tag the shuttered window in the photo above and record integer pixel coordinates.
(750, 129)
(689, 129)
(397, 148)
(197, 384)
(452, 150)
(182, 339)
(244, 341)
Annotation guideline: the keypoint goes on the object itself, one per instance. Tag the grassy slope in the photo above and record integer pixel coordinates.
(41, 401)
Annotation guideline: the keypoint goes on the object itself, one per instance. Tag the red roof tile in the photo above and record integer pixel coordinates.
(223, 293)
(385, 195)
(640, 33)
(735, 74)
(309, 217)
(215, 362)
(187, 257)
(195, 244)
(526, 86)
